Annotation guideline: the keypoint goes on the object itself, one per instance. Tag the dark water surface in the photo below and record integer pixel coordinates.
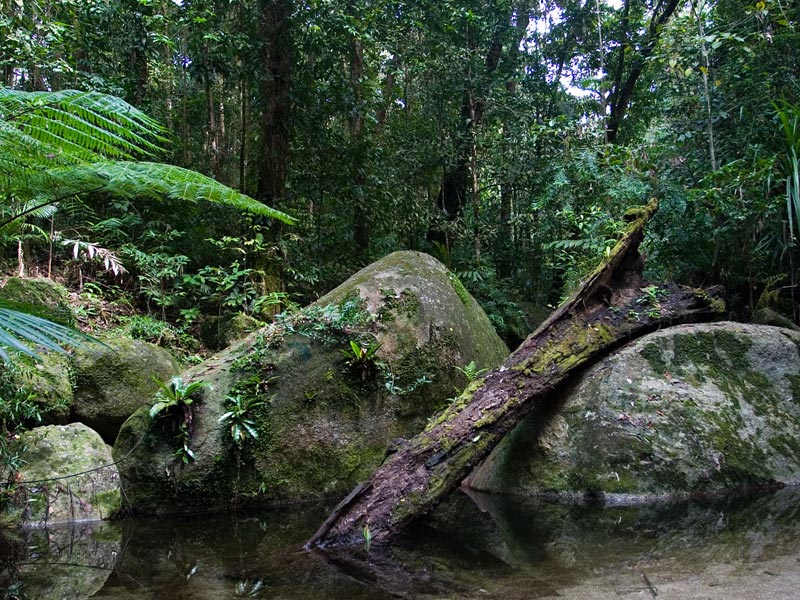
(473, 547)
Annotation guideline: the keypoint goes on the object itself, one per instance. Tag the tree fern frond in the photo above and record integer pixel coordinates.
(60, 143)
(57, 145)
(131, 179)
(110, 119)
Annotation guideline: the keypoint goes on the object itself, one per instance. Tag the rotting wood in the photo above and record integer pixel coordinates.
(608, 310)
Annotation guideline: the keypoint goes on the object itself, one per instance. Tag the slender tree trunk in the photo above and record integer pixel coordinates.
(705, 69)
(244, 125)
(505, 243)
(276, 63)
(594, 321)
(503, 253)
(474, 192)
(621, 93)
(360, 204)
(140, 70)
(212, 133)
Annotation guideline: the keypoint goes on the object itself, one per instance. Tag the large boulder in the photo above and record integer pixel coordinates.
(689, 409)
(66, 475)
(47, 298)
(218, 333)
(323, 419)
(114, 379)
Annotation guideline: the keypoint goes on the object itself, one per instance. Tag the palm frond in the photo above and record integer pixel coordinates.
(27, 333)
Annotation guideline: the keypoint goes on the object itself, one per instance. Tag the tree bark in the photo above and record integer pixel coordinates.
(361, 237)
(607, 311)
(276, 62)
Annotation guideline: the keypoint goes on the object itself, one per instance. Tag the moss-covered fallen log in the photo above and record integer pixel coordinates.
(610, 308)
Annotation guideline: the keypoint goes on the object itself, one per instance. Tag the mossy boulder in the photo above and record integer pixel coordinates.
(49, 299)
(769, 316)
(114, 379)
(324, 417)
(67, 475)
(687, 410)
(218, 333)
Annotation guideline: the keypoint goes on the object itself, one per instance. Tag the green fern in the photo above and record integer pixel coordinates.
(23, 332)
(55, 146)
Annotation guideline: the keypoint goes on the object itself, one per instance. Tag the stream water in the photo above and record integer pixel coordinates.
(473, 547)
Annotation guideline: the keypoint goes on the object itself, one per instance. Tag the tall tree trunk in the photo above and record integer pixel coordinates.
(212, 133)
(243, 127)
(504, 246)
(140, 70)
(595, 320)
(458, 179)
(276, 63)
(357, 141)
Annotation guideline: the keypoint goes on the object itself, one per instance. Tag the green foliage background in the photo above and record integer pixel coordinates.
(481, 132)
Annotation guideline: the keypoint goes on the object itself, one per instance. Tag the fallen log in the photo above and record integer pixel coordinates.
(610, 308)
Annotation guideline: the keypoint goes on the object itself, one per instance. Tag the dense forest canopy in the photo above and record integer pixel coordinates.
(505, 137)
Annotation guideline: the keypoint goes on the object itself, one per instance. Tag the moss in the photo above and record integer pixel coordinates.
(787, 446)
(567, 350)
(654, 356)
(48, 298)
(794, 384)
(107, 503)
(708, 349)
(404, 304)
(722, 357)
(459, 288)
(220, 332)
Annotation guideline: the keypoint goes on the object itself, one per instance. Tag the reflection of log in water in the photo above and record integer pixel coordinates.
(437, 569)
(505, 546)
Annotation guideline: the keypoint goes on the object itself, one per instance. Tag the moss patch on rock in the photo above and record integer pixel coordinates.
(44, 384)
(112, 381)
(67, 476)
(47, 298)
(220, 332)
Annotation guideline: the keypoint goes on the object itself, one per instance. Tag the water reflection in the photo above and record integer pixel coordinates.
(481, 547)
